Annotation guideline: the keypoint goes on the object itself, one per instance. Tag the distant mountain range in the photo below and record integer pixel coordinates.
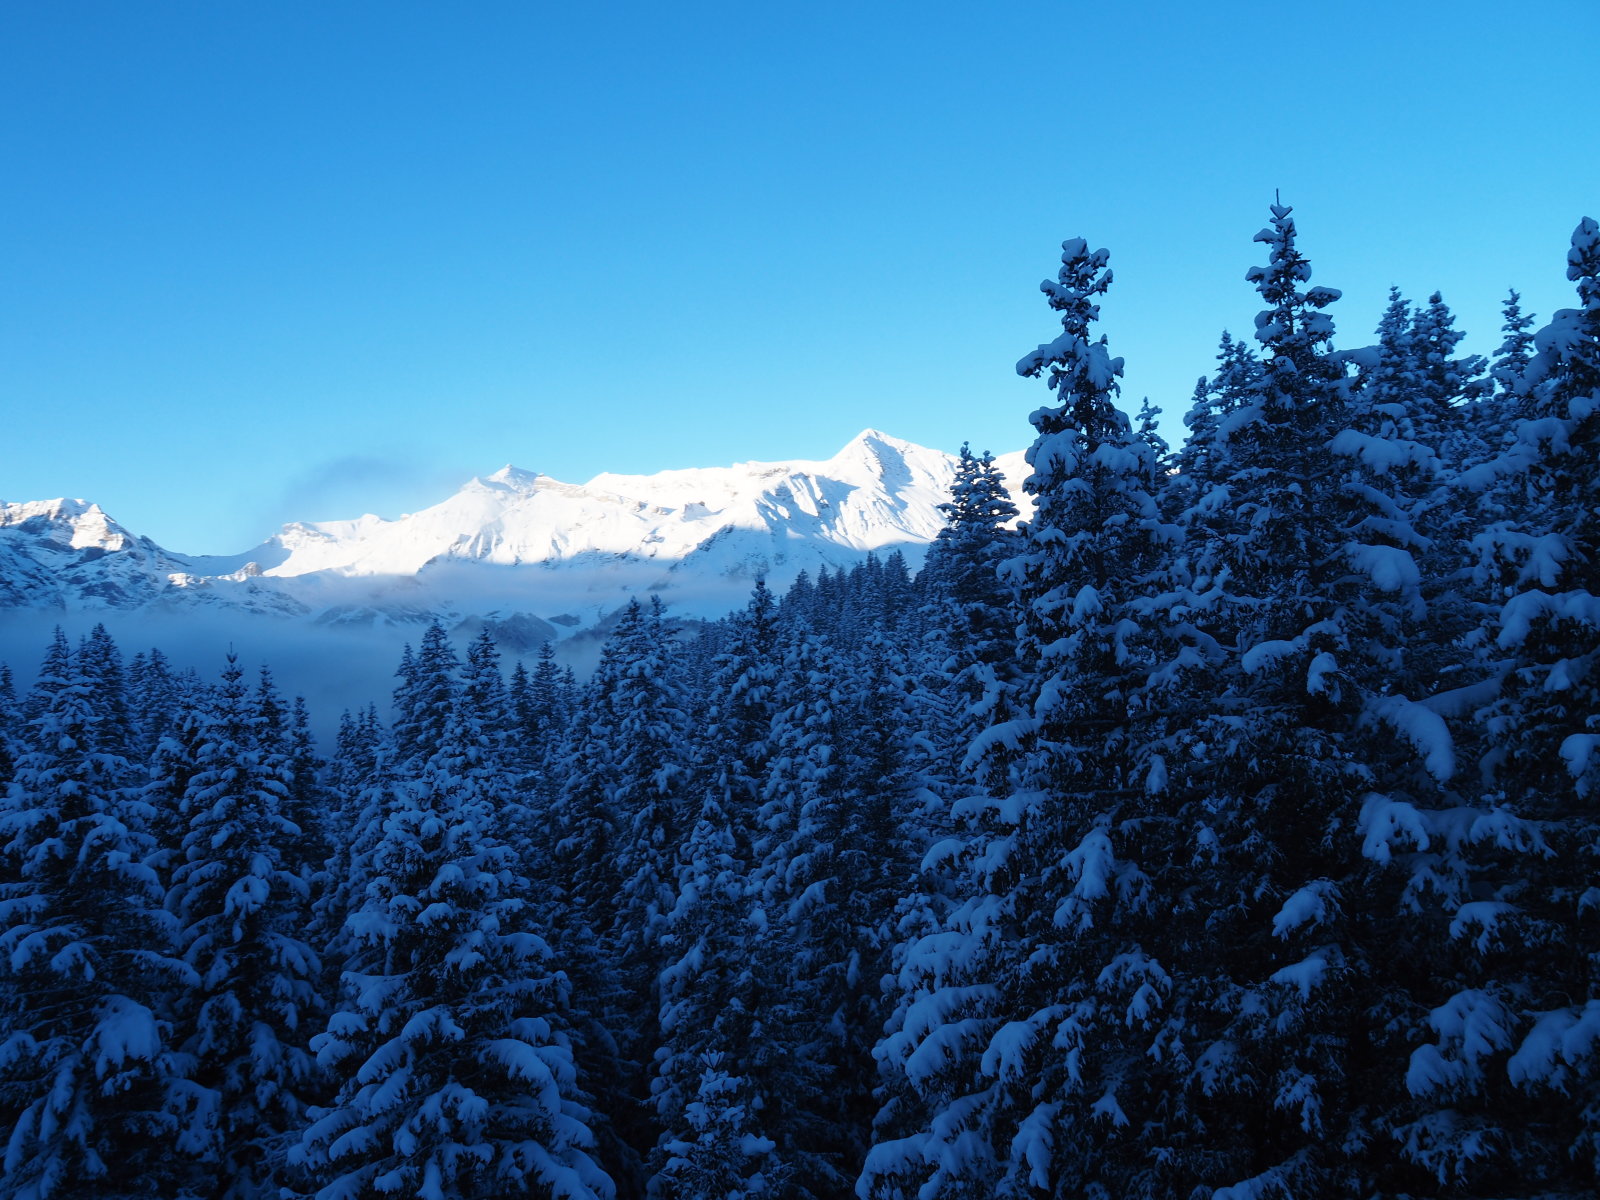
(534, 556)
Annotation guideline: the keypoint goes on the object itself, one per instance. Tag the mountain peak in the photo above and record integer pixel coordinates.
(62, 508)
(77, 523)
(871, 437)
(892, 460)
(514, 477)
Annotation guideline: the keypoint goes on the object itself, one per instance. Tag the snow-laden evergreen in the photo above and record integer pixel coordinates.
(241, 911)
(1029, 1001)
(1215, 398)
(91, 1084)
(718, 1154)
(9, 734)
(1306, 579)
(1511, 1069)
(974, 619)
(1222, 830)
(711, 1018)
(804, 951)
(455, 1078)
(714, 1015)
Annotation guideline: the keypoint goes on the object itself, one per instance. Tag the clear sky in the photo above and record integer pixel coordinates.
(293, 260)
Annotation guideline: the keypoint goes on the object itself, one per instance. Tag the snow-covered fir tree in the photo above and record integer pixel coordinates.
(241, 911)
(1038, 952)
(1447, 388)
(718, 1154)
(974, 621)
(1307, 744)
(1515, 351)
(1507, 1075)
(713, 1008)
(455, 1074)
(615, 829)
(155, 692)
(1215, 397)
(648, 734)
(423, 698)
(91, 1086)
(8, 725)
(807, 789)
(712, 1016)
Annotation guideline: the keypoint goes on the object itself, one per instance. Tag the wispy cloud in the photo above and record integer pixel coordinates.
(354, 484)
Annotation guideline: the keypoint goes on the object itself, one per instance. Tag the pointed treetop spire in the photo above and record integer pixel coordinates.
(1082, 373)
(1083, 275)
(1293, 332)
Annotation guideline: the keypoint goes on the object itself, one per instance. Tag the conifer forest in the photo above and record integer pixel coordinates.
(1224, 828)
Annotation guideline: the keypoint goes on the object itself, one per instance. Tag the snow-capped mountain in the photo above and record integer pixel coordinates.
(516, 547)
(69, 555)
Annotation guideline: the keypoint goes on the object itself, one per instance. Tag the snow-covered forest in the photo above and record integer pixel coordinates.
(1225, 830)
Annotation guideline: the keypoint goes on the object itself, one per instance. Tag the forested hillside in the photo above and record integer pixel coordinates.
(1226, 830)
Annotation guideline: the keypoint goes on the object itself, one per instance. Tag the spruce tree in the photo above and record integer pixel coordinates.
(90, 1083)
(1394, 376)
(977, 617)
(1216, 398)
(805, 952)
(1516, 347)
(154, 691)
(367, 788)
(616, 827)
(456, 1077)
(1307, 744)
(423, 698)
(241, 910)
(486, 702)
(1506, 1073)
(101, 662)
(308, 802)
(1448, 388)
(9, 732)
(1502, 402)
(711, 1017)
(171, 764)
(1047, 947)
(715, 1040)
(719, 1154)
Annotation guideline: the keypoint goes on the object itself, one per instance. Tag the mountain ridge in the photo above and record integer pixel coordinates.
(512, 542)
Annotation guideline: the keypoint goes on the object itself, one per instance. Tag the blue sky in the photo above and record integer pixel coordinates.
(262, 261)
